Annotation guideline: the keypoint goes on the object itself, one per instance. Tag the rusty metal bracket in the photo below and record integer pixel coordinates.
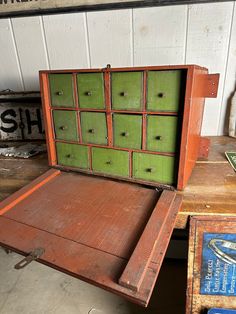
(34, 255)
(208, 84)
(204, 147)
(211, 85)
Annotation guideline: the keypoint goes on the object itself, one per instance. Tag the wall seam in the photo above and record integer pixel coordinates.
(45, 42)
(87, 39)
(186, 35)
(132, 36)
(17, 54)
(226, 69)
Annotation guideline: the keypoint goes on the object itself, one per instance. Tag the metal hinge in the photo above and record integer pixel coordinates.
(34, 255)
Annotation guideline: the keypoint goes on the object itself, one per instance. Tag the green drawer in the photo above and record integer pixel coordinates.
(156, 168)
(110, 161)
(91, 90)
(162, 133)
(127, 90)
(72, 155)
(127, 131)
(94, 127)
(61, 90)
(163, 90)
(65, 125)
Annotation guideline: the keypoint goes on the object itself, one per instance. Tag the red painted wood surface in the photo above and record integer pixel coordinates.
(136, 268)
(27, 190)
(89, 228)
(199, 85)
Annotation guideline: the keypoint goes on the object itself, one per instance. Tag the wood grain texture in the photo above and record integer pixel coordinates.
(20, 195)
(159, 35)
(16, 173)
(211, 189)
(32, 53)
(109, 36)
(96, 234)
(66, 40)
(207, 42)
(136, 268)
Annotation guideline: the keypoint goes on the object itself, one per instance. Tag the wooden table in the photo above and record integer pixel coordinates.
(211, 189)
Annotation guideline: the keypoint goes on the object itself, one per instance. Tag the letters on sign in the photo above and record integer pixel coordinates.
(20, 122)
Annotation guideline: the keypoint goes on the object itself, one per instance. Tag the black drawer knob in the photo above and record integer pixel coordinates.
(69, 156)
(108, 162)
(124, 94)
(59, 93)
(158, 137)
(161, 95)
(149, 170)
(88, 93)
(91, 131)
(63, 127)
(125, 134)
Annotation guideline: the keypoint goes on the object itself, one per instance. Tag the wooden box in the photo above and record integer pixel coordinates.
(135, 124)
(139, 124)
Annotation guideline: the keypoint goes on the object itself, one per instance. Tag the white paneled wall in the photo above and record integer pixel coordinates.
(203, 34)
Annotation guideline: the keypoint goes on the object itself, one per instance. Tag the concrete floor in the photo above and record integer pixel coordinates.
(38, 289)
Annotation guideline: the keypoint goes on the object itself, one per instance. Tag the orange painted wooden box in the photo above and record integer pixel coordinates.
(138, 126)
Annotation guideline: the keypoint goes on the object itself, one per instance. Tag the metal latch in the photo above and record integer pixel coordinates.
(34, 255)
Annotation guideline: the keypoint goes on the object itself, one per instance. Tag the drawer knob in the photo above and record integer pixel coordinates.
(91, 131)
(69, 156)
(161, 95)
(158, 137)
(125, 134)
(59, 93)
(63, 127)
(88, 93)
(149, 170)
(108, 162)
(124, 94)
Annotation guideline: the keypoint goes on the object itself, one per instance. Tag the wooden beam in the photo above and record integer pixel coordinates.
(139, 261)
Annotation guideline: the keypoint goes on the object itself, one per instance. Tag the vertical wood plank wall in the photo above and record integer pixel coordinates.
(203, 34)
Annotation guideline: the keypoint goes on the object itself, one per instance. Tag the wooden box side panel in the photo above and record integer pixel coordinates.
(192, 123)
(45, 96)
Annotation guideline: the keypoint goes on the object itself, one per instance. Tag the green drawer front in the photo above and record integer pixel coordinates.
(127, 131)
(163, 90)
(94, 127)
(156, 168)
(127, 90)
(61, 90)
(72, 155)
(162, 133)
(65, 125)
(110, 161)
(91, 90)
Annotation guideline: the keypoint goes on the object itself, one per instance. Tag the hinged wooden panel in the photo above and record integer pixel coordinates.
(89, 231)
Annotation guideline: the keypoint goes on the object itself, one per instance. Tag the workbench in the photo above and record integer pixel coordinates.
(211, 189)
